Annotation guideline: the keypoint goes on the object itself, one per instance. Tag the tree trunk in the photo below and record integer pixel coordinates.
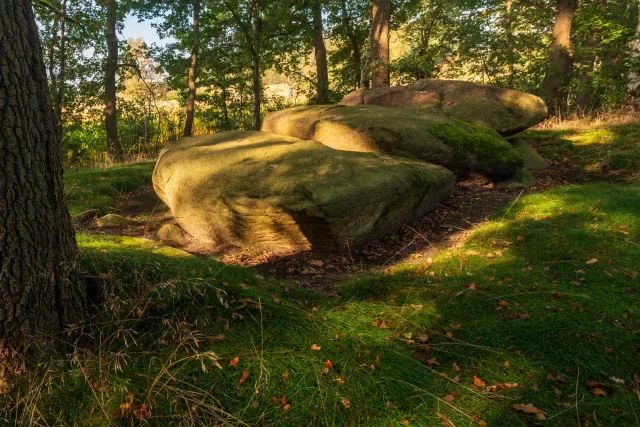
(111, 116)
(633, 87)
(379, 41)
(52, 53)
(225, 110)
(40, 290)
(59, 95)
(560, 67)
(322, 71)
(191, 101)
(255, 64)
(355, 47)
(508, 28)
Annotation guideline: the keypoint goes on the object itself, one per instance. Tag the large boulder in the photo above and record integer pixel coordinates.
(266, 192)
(430, 137)
(506, 111)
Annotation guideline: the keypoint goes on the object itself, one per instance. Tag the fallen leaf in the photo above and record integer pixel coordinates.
(449, 398)
(286, 407)
(285, 375)
(530, 409)
(597, 391)
(423, 338)
(405, 422)
(391, 405)
(592, 261)
(338, 380)
(449, 334)
(432, 362)
(244, 377)
(234, 362)
(346, 403)
(455, 367)
(328, 364)
(315, 347)
(478, 382)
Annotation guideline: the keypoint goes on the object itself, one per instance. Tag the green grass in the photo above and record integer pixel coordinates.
(96, 189)
(595, 148)
(537, 302)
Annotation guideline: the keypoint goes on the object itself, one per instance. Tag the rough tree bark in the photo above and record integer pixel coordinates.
(256, 21)
(110, 111)
(355, 47)
(561, 64)
(379, 42)
(322, 71)
(191, 100)
(40, 290)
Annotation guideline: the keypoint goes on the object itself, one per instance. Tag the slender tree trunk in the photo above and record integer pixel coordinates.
(225, 110)
(60, 94)
(255, 64)
(322, 71)
(355, 47)
(191, 101)
(633, 87)
(52, 53)
(379, 41)
(508, 27)
(40, 290)
(560, 67)
(111, 116)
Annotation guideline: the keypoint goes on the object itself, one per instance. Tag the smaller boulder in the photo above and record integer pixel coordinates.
(114, 220)
(506, 111)
(532, 160)
(171, 235)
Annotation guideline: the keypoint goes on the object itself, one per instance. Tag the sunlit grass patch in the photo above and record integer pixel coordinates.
(96, 189)
(595, 148)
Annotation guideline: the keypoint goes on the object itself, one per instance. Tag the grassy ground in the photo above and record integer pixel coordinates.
(592, 147)
(535, 320)
(96, 189)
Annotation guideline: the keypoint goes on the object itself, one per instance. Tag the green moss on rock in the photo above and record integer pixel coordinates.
(426, 136)
(493, 155)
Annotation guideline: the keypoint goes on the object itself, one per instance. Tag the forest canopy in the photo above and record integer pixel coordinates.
(227, 62)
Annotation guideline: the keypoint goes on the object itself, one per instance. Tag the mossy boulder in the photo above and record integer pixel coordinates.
(506, 111)
(430, 137)
(266, 192)
(171, 235)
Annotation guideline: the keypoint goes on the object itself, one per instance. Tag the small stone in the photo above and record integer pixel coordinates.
(114, 220)
(172, 235)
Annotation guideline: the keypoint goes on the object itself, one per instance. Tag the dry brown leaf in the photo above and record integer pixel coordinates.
(592, 261)
(455, 367)
(530, 409)
(286, 407)
(432, 362)
(597, 391)
(390, 405)
(478, 382)
(315, 347)
(285, 375)
(449, 398)
(244, 377)
(346, 403)
(234, 362)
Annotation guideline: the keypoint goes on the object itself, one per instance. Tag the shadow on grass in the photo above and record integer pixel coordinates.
(602, 149)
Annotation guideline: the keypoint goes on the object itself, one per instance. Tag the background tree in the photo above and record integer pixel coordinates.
(379, 43)
(191, 100)
(110, 111)
(40, 290)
